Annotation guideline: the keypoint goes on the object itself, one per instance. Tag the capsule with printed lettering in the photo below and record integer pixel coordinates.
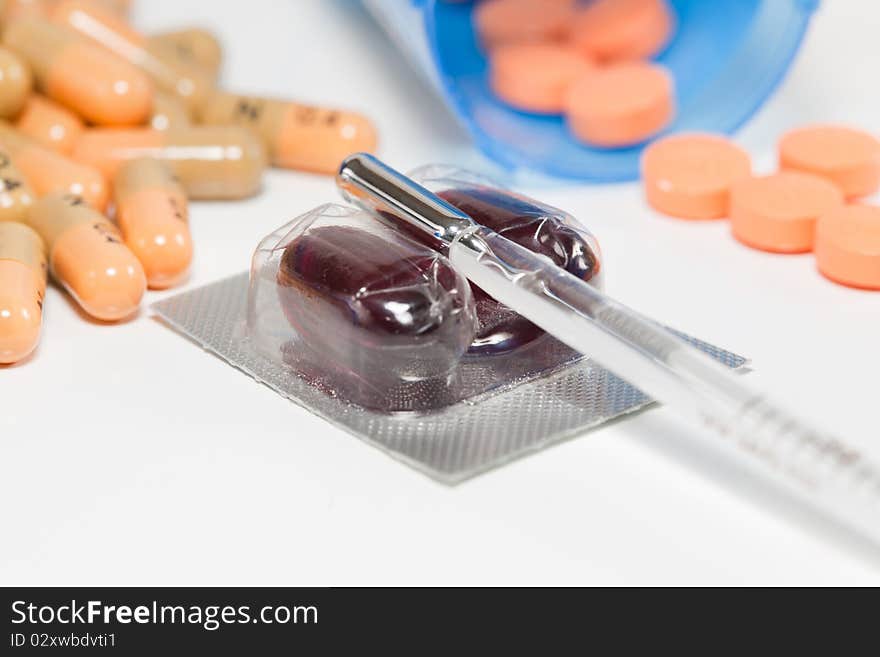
(151, 211)
(67, 67)
(158, 60)
(49, 123)
(88, 257)
(16, 196)
(16, 83)
(193, 45)
(22, 286)
(296, 136)
(211, 162)
(47, 171)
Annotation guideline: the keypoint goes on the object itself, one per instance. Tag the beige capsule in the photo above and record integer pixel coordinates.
(16, 83)
(195, 46)
(169, 113)
(120, 7)
(151, 211)
(88, 257)
(16, 196)
(211, 162)
(296, 136)
(22, 287)
(136, 175)
(157, 60)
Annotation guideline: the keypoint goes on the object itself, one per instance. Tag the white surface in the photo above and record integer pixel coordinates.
(129, 456)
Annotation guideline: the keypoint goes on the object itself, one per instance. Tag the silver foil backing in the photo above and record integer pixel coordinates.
(505, 415)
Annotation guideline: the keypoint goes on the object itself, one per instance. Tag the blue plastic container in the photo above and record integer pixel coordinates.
(727, 57)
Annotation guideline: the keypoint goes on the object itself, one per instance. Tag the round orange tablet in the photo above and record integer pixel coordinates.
(620, 105)
(512, 21)
(848, 245)
(779, 212)
(622, 29)
(535, 77)
(690, 175)
(848, 157)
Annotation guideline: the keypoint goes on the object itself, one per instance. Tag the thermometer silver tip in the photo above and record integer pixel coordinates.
(369, 182)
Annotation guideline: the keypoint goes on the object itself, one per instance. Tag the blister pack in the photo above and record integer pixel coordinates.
(376, 331)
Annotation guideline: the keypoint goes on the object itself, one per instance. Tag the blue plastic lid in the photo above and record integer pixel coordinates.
(727, 57)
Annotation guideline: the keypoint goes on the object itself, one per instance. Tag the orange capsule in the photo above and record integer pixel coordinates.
(50, 124)
(99, 86)
(211, 162)
(169, 113)
(47, 171)
(159, 60)
(87, 256)
(12, 10)
(194, 45)
(16, 196)
(22, 286)
(151, 211)
(16, 83)
(296, 136)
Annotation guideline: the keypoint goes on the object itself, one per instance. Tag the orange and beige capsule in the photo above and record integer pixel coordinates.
(22, 286)
(169, 113)
(16, 83)
(193, 45)
(151, 211)
(50, 124)
(99, 86)
(120, 7)
(47, 171)
(16, 196)
(211, 162)
(296, 136)
(160, 61)
(12, 10)
(88, 257)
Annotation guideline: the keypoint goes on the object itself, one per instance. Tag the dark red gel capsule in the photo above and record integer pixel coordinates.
(534, 227)
(385, 311)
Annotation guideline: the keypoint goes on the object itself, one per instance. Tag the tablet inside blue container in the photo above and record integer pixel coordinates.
(727, 57)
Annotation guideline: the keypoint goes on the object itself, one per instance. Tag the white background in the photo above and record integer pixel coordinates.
(130, 456)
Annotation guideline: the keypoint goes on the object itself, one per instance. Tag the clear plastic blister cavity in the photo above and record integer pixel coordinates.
(530, 223)
(355, 309)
